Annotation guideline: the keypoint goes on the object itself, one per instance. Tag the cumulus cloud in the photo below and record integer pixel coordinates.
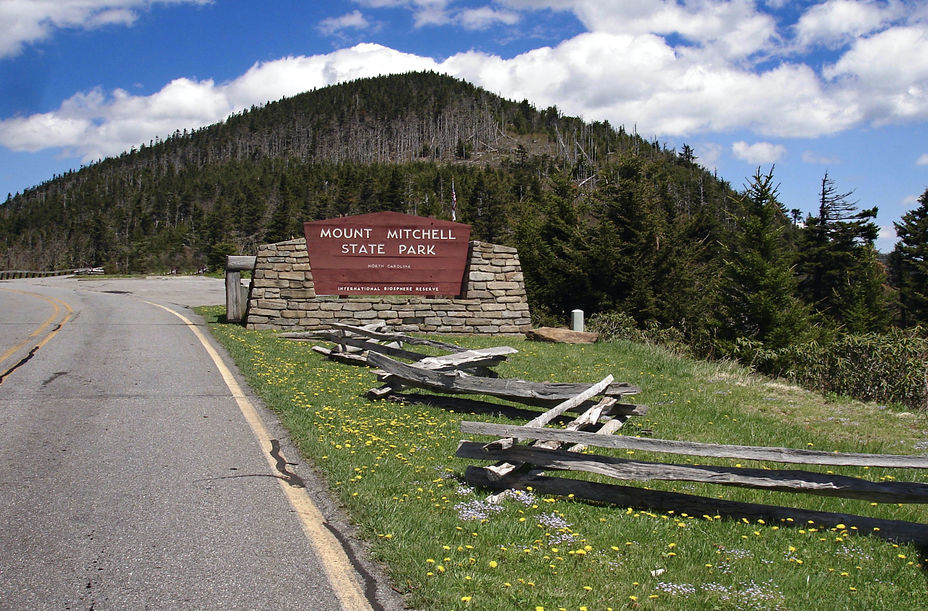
(837, 22)
(350, 21)
(759, 152)
(730, 29)
(483, 17)
(627, 69)
(887, 73)
(95, 124)
(25, 22)
(425, 12)
(922, 160)
(444, 12)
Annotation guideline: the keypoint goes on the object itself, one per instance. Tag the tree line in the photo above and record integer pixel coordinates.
(604, 220)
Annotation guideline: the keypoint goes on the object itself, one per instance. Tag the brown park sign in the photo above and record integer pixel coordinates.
(387, 253)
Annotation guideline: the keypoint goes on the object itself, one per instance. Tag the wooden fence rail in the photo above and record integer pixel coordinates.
(786, 455)
(602, 413)
(521, 466)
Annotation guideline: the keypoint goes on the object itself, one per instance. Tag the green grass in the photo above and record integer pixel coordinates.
(393, 468)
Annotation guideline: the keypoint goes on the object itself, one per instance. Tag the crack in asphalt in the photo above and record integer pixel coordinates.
(22, 362)
(29, 356)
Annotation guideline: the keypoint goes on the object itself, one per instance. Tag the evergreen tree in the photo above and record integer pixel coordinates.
(758, 292)
(841, 277)
(551, 252)
(909, 262)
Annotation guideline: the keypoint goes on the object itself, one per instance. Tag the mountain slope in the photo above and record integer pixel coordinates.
(603, 218)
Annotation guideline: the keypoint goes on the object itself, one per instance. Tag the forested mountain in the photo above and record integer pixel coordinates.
(604, 220)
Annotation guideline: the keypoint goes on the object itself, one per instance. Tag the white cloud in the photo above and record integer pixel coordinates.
(923, 159)
(886, 74)
(759, 152)
(425, 12)
(837, 22)
(817, 159)
(95, 125)
(625, 70)
(353, 21)
(641, 79)
(28, 21)
(886, 238)
(708, 154)
(730, 29)
(484, 17)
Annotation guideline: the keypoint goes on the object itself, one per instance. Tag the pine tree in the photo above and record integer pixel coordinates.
(909, 263)
(841, 277)
(758, 292)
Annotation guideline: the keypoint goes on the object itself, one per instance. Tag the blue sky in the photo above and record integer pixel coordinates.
(838, 86)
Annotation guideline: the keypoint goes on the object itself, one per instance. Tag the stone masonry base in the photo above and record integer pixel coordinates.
(493, 301)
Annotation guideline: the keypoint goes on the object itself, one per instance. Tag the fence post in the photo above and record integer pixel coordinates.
(236, 297)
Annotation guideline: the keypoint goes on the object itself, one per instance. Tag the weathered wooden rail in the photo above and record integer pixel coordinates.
(521, 453)
(533, 393)
(524, 465)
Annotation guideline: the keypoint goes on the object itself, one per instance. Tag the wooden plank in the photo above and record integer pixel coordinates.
(564, 406)
(240, 263)
(609, 428)
(571, 403)
(588, 417)
(348, 359)
(481, 357)
(466, 406)
(387, 337)
(368, 345)
(785, 455)
(779, 480)
(655, 500)
(536, 393)
(384, 392)
(235, 303)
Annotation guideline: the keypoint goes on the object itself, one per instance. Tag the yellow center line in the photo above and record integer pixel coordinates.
(332, 556)
(57, 304)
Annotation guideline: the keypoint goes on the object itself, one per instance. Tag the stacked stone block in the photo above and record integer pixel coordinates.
(493, 299)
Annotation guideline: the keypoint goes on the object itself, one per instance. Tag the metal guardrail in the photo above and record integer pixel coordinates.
(12, 274)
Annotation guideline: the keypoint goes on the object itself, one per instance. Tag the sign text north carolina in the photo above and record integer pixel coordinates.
(387, 253)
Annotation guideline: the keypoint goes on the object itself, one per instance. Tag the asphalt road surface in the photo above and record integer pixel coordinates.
(132, 475)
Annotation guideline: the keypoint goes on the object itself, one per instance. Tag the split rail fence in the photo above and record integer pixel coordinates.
(523, 453)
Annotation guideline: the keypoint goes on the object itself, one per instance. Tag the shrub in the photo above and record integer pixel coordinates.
(615, 325)
(890, 368)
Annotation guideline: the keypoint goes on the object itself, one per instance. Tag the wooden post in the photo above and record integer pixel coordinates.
(236, 298)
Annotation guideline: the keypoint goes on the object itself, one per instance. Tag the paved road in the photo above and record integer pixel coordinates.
(130, 476)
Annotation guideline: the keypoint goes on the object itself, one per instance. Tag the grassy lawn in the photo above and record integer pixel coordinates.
(446, 547)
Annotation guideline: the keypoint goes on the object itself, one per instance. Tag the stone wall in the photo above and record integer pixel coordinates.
(493, 299)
